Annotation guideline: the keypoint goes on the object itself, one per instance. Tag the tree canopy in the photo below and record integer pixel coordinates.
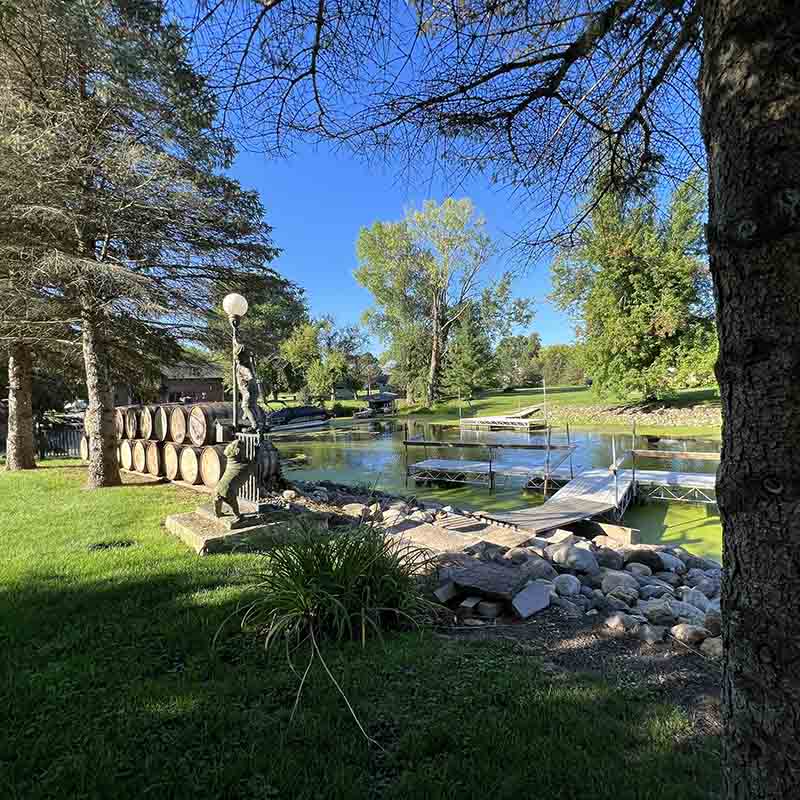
(425, 274)
(640, 291)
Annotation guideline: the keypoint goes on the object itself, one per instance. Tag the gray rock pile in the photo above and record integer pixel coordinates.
(653, 592)
(650, 591)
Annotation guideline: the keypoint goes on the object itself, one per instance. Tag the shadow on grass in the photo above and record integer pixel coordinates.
(112, 690)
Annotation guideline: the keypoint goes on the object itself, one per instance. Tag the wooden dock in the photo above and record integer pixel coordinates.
(517, 420)
(593, 494)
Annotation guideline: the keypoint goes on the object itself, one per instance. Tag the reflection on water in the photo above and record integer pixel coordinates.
(372, 453)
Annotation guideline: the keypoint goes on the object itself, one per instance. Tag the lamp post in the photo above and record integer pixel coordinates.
(235, 306)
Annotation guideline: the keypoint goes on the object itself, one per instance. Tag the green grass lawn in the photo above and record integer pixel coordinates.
(497, 402)
(111, 689)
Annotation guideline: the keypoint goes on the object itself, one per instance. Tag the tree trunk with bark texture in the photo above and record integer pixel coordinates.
(101, 428)
(436, 351)
(20, 449)
(750, 89)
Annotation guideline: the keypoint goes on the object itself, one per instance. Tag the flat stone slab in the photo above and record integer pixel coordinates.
(436, 539)
(534, 597)
(206, 536)
(489, 579)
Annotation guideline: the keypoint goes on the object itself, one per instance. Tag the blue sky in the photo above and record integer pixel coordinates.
(318, 199)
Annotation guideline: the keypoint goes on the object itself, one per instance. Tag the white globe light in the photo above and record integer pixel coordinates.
(235, 305)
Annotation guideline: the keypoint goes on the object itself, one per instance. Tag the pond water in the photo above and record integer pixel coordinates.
(371, 453)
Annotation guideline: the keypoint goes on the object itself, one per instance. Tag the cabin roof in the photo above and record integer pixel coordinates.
(184, 370)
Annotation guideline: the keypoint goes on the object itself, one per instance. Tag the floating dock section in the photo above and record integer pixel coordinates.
(522, 420)
(594, 494)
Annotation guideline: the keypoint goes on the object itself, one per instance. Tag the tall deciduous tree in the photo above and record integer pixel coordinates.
(427, 272)
(534, 93)
(641, 292)
(114, 164)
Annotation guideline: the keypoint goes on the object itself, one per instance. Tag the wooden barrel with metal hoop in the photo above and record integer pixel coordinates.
(147, 422)
(202, 420)
(132, 422)
(161, 422)
(126, 454)
(140, 456)
(172, 461)
(178, 425)
(154, 462)
(119, 422)
(212, 464)
(190, 464)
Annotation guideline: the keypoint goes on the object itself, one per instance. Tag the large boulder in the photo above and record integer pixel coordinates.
(533, 598)
(654, 592)
(670, 578)
(672, 563)
(519, 555)
(613, 579)
(694, 576)
(649, 558)
(624, 593)
(696, 598)
(690, 634)
(567, 555)
(638, 570)
(536, 567)
(686, 612)
(606, 557)
(489, 579)
(659, 612)
(710, 587)
(567, 586)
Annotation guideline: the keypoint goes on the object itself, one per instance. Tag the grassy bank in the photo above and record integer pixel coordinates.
(111, 689)
(579, 404)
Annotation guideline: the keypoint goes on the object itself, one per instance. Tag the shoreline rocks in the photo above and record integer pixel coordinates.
(641, 590)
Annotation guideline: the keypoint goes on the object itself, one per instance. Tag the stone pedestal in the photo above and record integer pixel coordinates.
(207, 534)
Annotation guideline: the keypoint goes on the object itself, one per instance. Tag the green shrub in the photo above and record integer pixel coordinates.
(343, 585)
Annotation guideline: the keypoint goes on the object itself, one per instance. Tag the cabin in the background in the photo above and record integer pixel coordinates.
(191, 381)
(198, 381)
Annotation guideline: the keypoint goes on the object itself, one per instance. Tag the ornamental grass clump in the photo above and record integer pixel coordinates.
(349, 584)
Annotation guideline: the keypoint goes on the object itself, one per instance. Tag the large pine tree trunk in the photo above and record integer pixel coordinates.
(20, 451)
(750, 88)
(103, 466)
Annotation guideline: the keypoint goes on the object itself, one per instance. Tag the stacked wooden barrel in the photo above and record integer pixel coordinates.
(171, 440)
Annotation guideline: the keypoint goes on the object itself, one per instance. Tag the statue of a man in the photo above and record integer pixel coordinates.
(237, 470)
(249, 390)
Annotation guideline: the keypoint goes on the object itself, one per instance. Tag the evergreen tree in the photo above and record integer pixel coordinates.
(469, 363)
(113, 197)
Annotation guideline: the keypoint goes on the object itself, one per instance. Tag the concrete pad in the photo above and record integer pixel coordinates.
(436, 539)
(206, 536)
